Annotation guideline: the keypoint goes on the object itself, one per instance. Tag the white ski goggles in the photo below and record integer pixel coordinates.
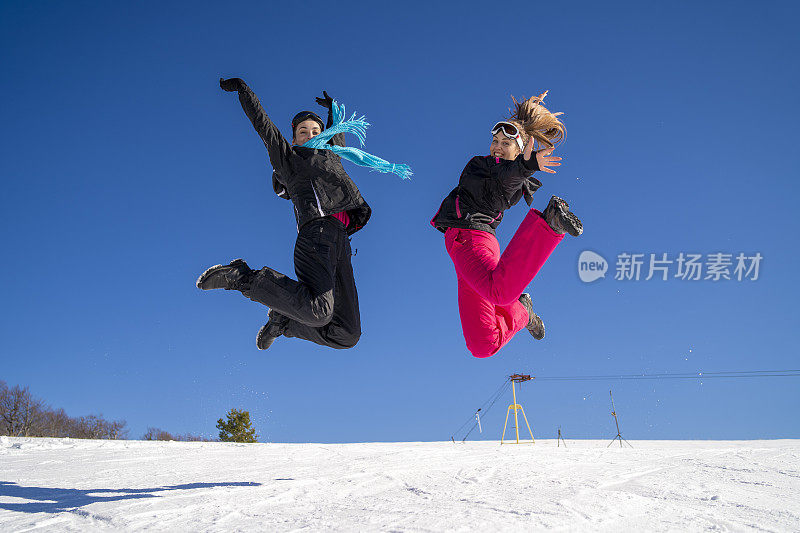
(509, 130)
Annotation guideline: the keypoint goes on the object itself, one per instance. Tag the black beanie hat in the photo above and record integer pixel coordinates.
(305, 115)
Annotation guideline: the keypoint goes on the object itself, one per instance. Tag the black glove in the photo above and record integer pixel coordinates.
(326, 101)
(231, 84)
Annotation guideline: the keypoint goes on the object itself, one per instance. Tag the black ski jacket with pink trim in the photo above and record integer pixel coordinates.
(487, 187)
(313, 179)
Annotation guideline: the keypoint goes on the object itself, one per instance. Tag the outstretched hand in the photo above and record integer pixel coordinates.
(543, 157)
(231, 84)
(326, 101)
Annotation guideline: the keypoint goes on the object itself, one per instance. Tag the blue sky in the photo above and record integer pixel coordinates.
(126, 172)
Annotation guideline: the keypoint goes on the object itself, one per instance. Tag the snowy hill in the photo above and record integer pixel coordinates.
(78, 485)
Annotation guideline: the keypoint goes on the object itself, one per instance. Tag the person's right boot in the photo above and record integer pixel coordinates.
(560, 218)
(535, 325)
(229, 277)
(270, 331)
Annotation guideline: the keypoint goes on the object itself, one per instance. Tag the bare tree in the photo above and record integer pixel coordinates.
(20, 412)
(117, 430)
(3, 403)
(160, 434)
(188, 437)
(157, 434)
(22, 415)
(54, 423)
(97, 427)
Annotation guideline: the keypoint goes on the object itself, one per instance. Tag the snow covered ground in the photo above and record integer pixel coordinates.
(78, 485)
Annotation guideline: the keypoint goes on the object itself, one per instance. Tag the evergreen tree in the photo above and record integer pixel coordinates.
(237, 428)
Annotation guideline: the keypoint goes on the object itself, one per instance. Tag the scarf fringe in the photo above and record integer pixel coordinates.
(358, 127)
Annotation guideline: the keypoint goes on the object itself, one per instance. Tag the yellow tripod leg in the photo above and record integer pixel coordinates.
(504, 426)
(526, 423)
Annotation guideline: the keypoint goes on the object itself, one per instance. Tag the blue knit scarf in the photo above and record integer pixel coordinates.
(358, 127)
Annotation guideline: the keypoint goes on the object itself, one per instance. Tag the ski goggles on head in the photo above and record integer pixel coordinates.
(509, 130)
(305, 115)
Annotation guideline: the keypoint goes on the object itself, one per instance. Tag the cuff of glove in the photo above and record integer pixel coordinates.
(530, 164)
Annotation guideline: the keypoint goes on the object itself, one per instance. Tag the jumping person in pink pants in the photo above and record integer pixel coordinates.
(490, 299)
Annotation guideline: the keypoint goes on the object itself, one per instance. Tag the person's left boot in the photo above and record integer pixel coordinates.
(560, 218)
(270, 331)
(535, 325)
(229, 277)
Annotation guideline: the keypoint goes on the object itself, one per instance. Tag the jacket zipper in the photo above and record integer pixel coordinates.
(319, 205)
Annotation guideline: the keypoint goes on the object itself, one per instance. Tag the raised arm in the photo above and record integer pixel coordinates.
(327, 102)
(278, 148)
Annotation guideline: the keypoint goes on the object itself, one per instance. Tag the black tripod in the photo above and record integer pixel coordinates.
(619, 435)
(560, 438)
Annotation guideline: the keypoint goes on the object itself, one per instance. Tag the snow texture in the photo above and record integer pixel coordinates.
(84, 485)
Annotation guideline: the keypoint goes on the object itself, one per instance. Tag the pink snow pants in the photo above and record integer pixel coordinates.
(490, 284)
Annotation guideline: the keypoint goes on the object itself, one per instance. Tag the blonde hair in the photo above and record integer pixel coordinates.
(534, 120)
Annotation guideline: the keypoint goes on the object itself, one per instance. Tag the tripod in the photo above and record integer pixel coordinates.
(516, 378)
(619, 435)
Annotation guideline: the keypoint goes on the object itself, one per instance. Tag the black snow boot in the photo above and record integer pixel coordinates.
(560, 218)
(270, 331)
(230, 277)
(535, 324)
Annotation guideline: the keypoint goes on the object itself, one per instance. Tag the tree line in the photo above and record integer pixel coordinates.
(160, 434)
(23, 415)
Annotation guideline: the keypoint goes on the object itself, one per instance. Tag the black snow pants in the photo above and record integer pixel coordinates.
(322, 305)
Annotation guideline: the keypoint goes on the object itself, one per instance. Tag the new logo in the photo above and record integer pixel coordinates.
(591, 266)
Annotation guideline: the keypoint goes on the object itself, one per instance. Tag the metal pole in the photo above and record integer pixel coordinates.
(526, 423)
(614, 412)
(516, 420)
(503, 436)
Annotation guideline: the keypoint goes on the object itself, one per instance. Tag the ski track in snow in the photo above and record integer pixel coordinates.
(85, 485)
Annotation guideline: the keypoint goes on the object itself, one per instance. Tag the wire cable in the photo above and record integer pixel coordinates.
(499, 395)
(685, 375)
(491, 401)
(736, 374)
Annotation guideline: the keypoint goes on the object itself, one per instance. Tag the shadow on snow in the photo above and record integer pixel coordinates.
(55, 500)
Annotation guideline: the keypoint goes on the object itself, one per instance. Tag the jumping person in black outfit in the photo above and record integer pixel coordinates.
(322, 305)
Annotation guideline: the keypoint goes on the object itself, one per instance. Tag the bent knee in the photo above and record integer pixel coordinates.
(484, 340)
(321, 311)
(349, 341)
(484, 349)
(483, 353)
(318, 321)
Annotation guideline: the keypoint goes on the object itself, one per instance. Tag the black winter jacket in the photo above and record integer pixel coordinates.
(487, 187)
(313, 179)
